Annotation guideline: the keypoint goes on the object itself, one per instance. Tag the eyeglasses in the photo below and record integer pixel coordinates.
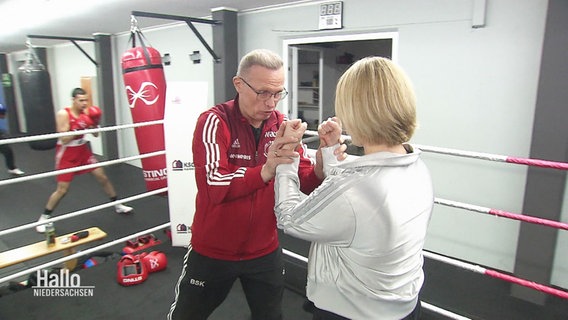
(265, 95)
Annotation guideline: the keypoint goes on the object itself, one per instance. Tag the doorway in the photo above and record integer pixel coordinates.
(315, 64)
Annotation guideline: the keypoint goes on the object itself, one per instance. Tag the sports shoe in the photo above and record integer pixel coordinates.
(41, 227)
(16, 172)
(122, 209)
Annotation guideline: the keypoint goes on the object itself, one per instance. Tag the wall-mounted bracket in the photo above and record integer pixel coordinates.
(189, 21)
(72, 39)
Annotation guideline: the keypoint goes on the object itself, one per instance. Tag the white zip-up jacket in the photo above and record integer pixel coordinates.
(367, 223)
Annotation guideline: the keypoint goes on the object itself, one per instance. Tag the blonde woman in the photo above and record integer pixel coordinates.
(367, 221)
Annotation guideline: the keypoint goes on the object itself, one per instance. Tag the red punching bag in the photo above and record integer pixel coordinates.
(145, 86)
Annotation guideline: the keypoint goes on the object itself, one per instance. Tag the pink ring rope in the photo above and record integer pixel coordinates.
(480, 155)
(498, 158)
(538, 163)
(497, 275)
(505, 214)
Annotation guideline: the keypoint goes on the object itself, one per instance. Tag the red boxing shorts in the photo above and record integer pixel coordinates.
(73, 154)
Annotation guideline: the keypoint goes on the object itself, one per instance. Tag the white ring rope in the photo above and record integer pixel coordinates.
(88, 166)
(78, 132)
(83, 252)
(482, 156)
(454, 262)
(315, 134)
(443, 312)
(83, 211)
(461, 205)
(295, 255)
(504, 214)
(462, 153)
(500, 275)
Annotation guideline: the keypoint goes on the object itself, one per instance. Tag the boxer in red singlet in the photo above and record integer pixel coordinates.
(74, 151)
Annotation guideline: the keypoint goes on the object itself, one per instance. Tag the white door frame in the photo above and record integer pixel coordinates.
(286, 43)
(295, 83)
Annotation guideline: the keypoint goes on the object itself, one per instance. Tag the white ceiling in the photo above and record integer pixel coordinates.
(106, 16)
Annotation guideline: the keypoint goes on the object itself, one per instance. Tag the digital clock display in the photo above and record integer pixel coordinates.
(330, 15)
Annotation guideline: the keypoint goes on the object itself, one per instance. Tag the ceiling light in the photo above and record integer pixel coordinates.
(18, 15)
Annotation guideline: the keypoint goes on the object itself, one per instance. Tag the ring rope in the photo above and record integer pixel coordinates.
(480, 155)
(443, 312)
(424, 304)
(83, 211)
(78, 132)
(295, 255)
(79, 168)
(487, 156)
(469, 154)
(501, 213)
(498, 158)
(497, 275)
(83, 252)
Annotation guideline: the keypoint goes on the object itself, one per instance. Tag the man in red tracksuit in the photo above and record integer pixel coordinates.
(234, 231)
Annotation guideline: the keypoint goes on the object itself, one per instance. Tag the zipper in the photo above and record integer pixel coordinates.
(244, 245)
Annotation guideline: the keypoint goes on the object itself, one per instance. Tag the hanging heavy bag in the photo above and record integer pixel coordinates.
(37, 102)
(145, 86)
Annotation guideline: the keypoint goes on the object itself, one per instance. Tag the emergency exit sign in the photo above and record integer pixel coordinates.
(331, 15)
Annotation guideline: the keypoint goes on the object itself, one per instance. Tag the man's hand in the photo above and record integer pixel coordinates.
(277, 154)
(294, 128)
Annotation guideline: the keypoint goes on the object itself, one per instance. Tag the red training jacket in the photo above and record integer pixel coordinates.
(234, 211)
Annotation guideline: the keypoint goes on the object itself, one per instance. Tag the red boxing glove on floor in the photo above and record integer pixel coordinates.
(154, 261)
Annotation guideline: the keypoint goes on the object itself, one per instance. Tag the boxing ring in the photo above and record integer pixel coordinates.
(510, 278)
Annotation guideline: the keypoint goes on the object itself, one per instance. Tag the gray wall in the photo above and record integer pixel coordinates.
(545, 188)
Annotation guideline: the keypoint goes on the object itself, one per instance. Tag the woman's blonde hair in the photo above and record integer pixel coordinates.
(375, 102)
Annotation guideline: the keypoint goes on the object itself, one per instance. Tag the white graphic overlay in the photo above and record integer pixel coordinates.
(62, 284)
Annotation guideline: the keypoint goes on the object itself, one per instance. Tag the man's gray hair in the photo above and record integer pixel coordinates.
(259, 57)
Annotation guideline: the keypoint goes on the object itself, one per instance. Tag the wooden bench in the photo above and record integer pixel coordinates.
(40, 249)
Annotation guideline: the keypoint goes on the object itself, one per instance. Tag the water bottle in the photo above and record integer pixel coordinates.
(50, 234)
